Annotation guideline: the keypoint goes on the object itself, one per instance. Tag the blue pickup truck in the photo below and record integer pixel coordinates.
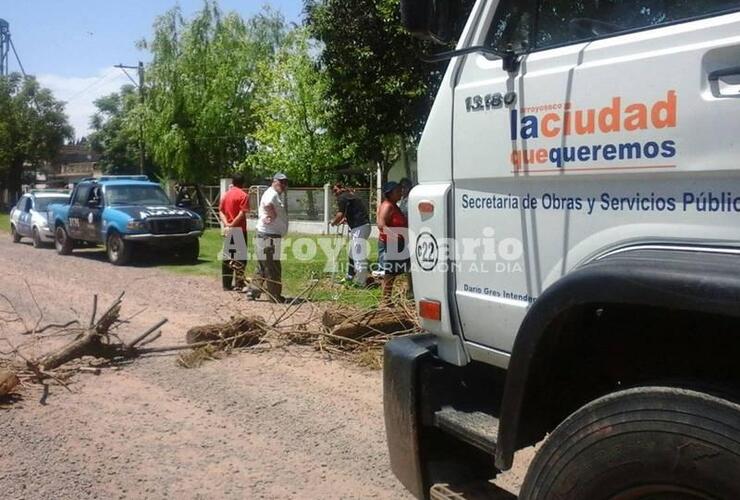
(122, 213)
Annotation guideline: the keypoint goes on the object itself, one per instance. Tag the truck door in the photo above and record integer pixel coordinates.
(24, 219)
(92, 222)
(78, 212)
(586, 146)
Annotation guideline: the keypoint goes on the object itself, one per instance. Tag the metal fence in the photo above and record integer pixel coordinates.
(212, 195)
(305, 204)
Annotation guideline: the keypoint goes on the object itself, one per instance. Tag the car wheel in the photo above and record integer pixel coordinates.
(14, 234)
(36, 236)
(119, 250)
(642, 443)
(62, 241)
(190, 252)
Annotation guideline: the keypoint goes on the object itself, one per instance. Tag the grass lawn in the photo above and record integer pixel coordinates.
(5, 222)
(298, 273)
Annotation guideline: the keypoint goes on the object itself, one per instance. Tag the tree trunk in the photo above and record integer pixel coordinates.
(15, 178)
(405, 158)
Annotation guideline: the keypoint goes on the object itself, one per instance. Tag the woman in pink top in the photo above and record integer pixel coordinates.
(393, 254)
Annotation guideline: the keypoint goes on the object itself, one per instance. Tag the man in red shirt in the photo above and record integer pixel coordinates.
(233, 212)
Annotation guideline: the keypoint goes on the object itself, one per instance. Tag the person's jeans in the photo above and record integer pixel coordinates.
(358, 254)
(268, 278)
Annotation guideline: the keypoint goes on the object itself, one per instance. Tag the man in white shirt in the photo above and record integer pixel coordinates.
(271, 227)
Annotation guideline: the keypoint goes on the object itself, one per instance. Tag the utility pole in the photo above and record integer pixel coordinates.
(4, 47)
(140, 85)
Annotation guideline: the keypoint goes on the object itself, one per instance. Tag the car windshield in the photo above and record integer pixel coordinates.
(43, 203)
(136, 195)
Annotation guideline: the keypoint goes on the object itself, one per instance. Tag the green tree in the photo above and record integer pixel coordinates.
(292, 135)
(33, 127)
(117, 144)
(198, 114)
(379, 88)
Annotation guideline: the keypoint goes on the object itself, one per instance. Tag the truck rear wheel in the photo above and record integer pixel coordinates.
(62, 241)
(119, 250)
(646, 443)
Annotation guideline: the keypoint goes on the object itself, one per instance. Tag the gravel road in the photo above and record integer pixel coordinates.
(282, 423)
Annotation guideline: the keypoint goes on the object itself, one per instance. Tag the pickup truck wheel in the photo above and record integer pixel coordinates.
(62, 241)
(119, 250)
(37, 243)
(14, 234)
(651, 443)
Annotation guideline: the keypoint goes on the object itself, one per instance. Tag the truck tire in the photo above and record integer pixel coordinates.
(62, 241)
(36, 237)
(118, 249)
(644, 443)
(14, 234)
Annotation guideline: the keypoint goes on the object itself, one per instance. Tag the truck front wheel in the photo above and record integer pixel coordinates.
(14, 234)
(119, 250)
(62, 241)
(643, 443)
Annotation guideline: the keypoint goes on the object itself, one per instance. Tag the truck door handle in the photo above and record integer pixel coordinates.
(716, 75)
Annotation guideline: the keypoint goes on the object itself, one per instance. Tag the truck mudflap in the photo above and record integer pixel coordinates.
(402, 408)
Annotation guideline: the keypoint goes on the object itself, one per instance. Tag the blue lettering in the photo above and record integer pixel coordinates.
(530, 129)
(651, 150)
(610, 152)
(669, 149)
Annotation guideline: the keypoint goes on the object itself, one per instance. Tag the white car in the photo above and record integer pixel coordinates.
(28, 219)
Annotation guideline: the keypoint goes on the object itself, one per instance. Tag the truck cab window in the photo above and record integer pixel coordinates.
(83, 193)
(538, 25)
(511, 26)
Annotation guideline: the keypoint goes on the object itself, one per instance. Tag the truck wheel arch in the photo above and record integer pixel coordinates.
(687, 280)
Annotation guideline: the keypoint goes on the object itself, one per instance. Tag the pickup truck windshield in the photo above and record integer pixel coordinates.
(136, 195)
(43, 203)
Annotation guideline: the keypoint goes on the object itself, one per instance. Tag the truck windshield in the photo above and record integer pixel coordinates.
(43, 203)
(136, 195)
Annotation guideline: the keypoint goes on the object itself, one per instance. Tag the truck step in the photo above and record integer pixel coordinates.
(481, 490)
(476, 428)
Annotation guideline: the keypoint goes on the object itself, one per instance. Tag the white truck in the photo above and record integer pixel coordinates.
(575, 238)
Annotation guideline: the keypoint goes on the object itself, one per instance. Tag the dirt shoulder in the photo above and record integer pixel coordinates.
(280, 423)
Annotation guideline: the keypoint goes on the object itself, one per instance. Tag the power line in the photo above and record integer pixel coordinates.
(123, 68)
(140, 69)
(100, 80)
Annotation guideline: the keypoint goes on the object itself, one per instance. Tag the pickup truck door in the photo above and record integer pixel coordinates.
(587, 146)
(24, 216)
(92, 222)
(78, 212)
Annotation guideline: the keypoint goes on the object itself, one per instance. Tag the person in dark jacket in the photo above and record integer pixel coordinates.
(353, 211)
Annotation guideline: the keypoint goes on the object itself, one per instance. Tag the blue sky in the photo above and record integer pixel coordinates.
(72, 45)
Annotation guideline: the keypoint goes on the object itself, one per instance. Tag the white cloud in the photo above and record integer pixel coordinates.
(80, 92)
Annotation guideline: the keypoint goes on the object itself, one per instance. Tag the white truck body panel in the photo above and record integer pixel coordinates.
(650, 157)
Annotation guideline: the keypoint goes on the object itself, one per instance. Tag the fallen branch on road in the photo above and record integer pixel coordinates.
(98, 341)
